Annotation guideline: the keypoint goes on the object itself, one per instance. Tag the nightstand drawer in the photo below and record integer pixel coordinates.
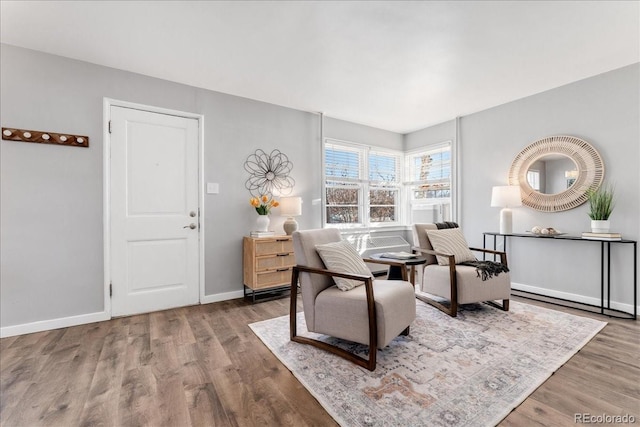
(273, 277)
(273, 262)
(274, 246)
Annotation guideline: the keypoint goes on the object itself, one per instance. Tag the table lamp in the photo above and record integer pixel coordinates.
(506, 197)
(290, 207)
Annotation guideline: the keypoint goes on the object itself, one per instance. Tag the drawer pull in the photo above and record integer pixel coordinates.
(282, 240)
(283, 269)
(282, 254)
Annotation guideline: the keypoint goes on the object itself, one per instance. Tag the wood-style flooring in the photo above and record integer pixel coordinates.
(203, 366)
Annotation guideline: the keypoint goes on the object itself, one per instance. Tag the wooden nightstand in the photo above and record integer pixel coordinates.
(267, 264)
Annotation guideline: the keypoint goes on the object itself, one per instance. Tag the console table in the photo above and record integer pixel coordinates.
(605, 252)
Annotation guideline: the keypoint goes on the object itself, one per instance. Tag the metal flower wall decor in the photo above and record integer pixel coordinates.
(269, 173)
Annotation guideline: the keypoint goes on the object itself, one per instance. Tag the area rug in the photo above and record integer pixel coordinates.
(471, 370)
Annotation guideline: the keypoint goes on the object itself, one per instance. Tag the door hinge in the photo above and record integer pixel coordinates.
(110, 289)
(109, 126)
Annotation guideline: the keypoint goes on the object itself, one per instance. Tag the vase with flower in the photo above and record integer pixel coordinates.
(263, 205)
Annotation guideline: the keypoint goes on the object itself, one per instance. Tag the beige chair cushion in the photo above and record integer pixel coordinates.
(450, 241)
(342, 257)
(471, 288)
(344, 314)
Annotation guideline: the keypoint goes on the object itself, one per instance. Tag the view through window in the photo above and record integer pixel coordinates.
(364, 185)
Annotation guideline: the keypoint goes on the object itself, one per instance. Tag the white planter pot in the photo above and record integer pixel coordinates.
(600, 226)
(262, 223)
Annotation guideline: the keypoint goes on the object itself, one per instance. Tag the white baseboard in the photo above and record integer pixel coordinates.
(628, 308)
(207, 299)
(82, 319)
(47, 325)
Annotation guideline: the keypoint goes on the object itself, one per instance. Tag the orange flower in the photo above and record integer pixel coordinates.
(263, 204)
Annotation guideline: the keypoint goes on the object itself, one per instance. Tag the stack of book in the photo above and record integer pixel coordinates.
(398, 255)
(601, 236)
(262, 233)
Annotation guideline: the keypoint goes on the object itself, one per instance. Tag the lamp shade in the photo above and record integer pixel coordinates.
(506, 196)
(573, 174)
(291, 206)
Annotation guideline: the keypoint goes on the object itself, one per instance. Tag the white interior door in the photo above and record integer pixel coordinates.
(154, 211)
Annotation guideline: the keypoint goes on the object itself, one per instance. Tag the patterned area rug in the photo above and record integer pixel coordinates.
(466, 371)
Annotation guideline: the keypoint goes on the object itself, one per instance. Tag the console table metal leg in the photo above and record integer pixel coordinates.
(484, 245)
(635, 281)
(495, 245)
(608, 275)
(601, 277)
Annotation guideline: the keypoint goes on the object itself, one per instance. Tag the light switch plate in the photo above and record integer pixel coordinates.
(213, 188)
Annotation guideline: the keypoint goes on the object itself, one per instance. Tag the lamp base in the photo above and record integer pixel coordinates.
(289, 226)
(506, 221)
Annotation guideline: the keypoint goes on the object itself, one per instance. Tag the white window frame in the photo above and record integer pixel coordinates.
(410, 183)
(364, 185)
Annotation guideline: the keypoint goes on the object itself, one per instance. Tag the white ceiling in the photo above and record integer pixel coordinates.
(394, 65)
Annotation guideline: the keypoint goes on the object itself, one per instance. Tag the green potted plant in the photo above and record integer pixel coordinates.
(600, 208)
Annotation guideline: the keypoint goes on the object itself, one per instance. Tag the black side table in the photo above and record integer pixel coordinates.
(398, 267)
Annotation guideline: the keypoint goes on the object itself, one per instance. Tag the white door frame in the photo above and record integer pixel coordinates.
(106, 189)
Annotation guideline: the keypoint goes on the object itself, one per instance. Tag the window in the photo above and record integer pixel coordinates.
(428, 184)
(533, 178)
(362, 185)
(384, 188)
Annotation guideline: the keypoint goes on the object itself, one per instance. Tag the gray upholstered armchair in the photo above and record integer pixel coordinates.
(372, 314)
(460, 284)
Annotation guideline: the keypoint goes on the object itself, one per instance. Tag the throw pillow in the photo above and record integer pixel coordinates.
(450, 241)
(342, 257)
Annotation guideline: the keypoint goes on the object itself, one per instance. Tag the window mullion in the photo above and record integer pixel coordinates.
(365, 187)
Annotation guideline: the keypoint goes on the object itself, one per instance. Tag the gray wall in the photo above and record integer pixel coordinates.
(351, 132)
(51, 246)
(604, 110)
(51, 243)
(432, 135)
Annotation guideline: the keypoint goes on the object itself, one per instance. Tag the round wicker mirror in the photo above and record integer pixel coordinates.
(528, 171)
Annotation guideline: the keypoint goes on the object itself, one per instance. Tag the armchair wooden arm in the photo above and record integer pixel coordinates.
(331, 273)
(369, 364)
(452, 259)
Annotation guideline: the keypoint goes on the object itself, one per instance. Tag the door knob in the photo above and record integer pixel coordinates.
(191, 226)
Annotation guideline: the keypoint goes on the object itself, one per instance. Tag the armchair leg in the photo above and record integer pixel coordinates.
(360, 361)
(504, 306)
(452, 310)
(369, 364)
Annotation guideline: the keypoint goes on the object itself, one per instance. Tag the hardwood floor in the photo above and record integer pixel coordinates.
(202, 365)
